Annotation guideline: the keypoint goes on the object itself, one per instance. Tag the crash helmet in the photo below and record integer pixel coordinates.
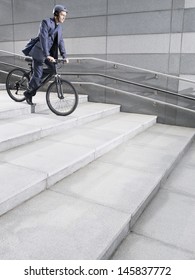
(59, 8)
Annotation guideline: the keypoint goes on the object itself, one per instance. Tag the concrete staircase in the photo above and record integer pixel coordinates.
(72, 187)
(2, 86)
(166, 228)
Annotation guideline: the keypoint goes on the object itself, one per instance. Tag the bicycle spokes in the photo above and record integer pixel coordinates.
(62, 97)
(16, 83)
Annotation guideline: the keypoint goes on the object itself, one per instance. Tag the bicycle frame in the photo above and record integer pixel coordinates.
(49, 75)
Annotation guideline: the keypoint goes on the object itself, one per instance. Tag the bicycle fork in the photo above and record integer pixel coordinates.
(59, 86)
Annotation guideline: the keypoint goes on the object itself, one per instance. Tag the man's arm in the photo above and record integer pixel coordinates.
(43, 37)
(61, 45)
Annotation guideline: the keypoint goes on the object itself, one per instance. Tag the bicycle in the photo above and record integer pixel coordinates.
(61, 96)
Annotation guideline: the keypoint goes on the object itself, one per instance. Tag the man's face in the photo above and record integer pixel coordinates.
(62, 16)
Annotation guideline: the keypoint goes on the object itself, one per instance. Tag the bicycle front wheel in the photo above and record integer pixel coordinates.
(61, 97)
(16, 83)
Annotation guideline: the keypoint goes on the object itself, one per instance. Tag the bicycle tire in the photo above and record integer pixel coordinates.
(69, 99)
(16, 83)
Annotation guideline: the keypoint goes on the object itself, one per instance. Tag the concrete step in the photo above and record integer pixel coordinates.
(24, 129)
(29, 169)
(87, 214)
(165, 230)
(2, 86)
(9, 108)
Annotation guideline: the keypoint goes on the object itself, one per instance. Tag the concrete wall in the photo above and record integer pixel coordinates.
(153, 34)
(187, 69)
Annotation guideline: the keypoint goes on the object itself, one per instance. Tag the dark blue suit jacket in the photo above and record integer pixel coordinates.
(46, 36)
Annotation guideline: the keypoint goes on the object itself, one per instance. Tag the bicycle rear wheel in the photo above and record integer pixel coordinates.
(61, 97)
(16, 83)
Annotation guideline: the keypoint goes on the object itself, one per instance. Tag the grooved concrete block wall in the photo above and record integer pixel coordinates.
(154, 34)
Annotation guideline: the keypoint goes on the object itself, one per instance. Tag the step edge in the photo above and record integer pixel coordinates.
(136, 214)
(56, 128)
(89, 157)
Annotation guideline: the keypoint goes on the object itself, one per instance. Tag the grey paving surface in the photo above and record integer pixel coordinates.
(88, 214)
(55, 146)
(2, 86)
(9, 108)
(16, 130)
(166, 229)
(53, 226)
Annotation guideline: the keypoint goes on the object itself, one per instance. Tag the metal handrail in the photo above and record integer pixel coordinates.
(137, 96)
(122, 80)
(115, 78)
(116, 64)
(127, 82)
(133, 67)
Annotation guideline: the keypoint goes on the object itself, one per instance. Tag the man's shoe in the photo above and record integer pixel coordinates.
(28, 97)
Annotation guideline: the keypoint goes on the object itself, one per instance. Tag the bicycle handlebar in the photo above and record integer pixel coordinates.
(59, 60)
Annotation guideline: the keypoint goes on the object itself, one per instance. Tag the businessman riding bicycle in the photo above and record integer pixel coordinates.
(50, 39)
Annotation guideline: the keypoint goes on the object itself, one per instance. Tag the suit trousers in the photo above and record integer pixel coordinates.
(38, 73)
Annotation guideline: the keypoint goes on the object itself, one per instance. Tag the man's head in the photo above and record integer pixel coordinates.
(59, 13)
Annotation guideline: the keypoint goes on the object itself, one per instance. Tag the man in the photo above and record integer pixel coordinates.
(46, 49)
